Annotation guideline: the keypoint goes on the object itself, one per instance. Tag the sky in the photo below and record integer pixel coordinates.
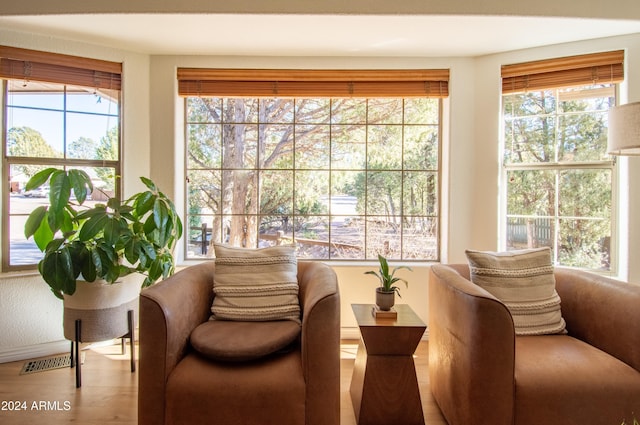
(95, 116)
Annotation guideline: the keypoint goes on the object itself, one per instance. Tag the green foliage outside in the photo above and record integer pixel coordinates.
(27, 142)
(242, 153)
(558, 180)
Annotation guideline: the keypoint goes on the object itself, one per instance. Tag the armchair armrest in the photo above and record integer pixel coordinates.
(320, 303)
(601, 311)
(471, 350)
(169, 311)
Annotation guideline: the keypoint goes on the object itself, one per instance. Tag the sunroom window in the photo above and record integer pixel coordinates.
(345, 178)
(59, 111)
(558, 178)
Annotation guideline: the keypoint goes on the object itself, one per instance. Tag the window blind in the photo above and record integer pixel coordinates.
(32, 65)
(313, 83)
(606, 67)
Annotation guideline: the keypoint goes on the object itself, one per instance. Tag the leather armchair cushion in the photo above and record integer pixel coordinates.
(572, 380)
(269, 392)
(234, 341)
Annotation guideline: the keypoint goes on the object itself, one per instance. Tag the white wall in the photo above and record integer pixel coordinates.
(167, 134)
(29, 314)
(458, 159)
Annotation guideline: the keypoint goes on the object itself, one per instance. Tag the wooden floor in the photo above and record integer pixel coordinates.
(109, 391)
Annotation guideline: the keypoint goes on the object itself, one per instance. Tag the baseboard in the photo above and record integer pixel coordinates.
(350, 333)
(34, 351)
(29, 352)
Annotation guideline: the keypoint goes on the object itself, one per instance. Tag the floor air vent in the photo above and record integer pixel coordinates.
(49, 363)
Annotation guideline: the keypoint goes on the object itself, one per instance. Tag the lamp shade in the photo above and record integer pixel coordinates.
(624, 129)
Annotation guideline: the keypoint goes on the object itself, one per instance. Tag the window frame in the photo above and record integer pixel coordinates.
(558, 73)
(558, 167)
(438, 171)
(63, 70)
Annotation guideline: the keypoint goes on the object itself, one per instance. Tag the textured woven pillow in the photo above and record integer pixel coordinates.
(256, 284)
(523, 280)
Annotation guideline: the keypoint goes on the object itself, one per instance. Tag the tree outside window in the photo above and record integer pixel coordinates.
(344, 178)
(558, 174)
(59, 125)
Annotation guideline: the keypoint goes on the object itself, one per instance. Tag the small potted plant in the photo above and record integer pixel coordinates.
(385, 294)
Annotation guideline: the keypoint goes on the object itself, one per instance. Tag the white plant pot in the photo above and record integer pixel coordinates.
(102, 308)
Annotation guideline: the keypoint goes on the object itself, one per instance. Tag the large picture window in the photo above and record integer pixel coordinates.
(59, 111)
(345, 178)
(558, 176)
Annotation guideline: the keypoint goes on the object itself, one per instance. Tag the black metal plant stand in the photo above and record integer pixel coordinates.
(75, 346)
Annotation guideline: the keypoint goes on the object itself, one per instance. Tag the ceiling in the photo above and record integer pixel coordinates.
(317, 35)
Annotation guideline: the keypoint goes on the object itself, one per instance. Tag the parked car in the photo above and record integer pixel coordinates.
(39, 192)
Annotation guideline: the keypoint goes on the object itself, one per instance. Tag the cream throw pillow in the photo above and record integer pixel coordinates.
(256, 284)
(523, 280)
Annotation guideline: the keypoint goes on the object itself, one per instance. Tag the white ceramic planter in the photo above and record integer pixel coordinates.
(102, 308)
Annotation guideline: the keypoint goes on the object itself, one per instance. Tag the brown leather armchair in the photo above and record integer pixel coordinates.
(178, 386)
(482, 373)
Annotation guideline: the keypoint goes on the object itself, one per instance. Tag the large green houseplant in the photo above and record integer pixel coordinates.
(104, 242)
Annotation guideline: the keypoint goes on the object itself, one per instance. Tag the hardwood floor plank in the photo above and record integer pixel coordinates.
(109, 391)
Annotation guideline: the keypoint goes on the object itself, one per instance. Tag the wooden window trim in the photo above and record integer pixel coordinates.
(313, 83)
(595, 68)
(33, 65)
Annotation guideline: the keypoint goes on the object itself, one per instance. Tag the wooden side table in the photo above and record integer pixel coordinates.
(384, 386)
